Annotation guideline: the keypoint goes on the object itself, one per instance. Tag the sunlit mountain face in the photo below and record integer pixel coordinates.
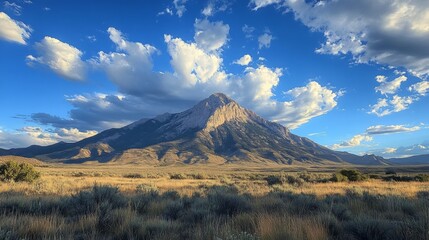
(348, 75)
(217, 130)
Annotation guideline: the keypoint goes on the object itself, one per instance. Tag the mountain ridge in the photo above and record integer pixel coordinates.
(216, 130)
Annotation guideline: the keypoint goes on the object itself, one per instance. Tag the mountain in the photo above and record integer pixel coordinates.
(413, 160)
(217, 130)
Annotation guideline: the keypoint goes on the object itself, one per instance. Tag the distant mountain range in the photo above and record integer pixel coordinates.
(217, 130)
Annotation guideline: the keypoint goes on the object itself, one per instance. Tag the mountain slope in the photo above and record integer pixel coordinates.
(216, 130)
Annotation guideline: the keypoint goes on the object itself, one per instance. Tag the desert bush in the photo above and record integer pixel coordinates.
(338, 177)
(133, 175)
(353, 175)
(399, 178)
(273, 180)
(147, 189)
(198, 176)
(173, 210)
(390, 172)
(295, 181)
(178, 176)
(227, 201)
(86, 202)
(17, 172)
(348, 175)
(422, 178)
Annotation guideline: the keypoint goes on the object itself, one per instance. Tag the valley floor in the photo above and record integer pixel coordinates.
(206, 202)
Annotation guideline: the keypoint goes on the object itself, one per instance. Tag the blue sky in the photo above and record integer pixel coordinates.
(350, 75)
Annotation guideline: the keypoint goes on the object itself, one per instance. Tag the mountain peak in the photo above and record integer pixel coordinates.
(217, 100)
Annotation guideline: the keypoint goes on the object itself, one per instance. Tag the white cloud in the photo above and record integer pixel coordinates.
(421, 88)
(131, 67)
(166, 11)
(196, 73)
(192, 64)
(13, 7)
(215, 6)
(355, 141)
(383, 129)
(262, 3)
(12, 30)
(180, 7)
(391, 87)
(244, 60)
(402, 151)
(91, 38)
(210, 36)
(208, 10)
(248, 31)
(265, 40)
(60, 57)
(388, 32)
(390, 150)
(307, 102)
(386, 106)
(30, 135)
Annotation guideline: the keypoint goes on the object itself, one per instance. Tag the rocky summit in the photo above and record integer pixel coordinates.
(217, 130)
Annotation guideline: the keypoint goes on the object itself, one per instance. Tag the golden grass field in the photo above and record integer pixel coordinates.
(229, 202)
(62, 179)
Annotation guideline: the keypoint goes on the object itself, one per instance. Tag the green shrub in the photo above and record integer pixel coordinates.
(296, 181)
(18, 172)
(338, 177)
(349, 175)
(422, 178)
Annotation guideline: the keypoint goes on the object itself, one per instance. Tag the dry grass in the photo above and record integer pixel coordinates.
(224, 203)
(70, 179)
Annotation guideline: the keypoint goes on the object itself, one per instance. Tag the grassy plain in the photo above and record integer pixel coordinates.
(211, 202)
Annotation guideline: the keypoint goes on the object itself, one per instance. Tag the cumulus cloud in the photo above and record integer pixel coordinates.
(31, 135)
(62, 58)
(265, 40)
(12, 30)
(383, 129)
(308, 102)
(210, 36)
(389, 32)
(130, 68)
(385, 106)
(353, 142)
(244, 60)
(421, 88)
(391, 87)
(197, 72)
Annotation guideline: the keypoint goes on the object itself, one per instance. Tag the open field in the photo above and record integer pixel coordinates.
(206, 202)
